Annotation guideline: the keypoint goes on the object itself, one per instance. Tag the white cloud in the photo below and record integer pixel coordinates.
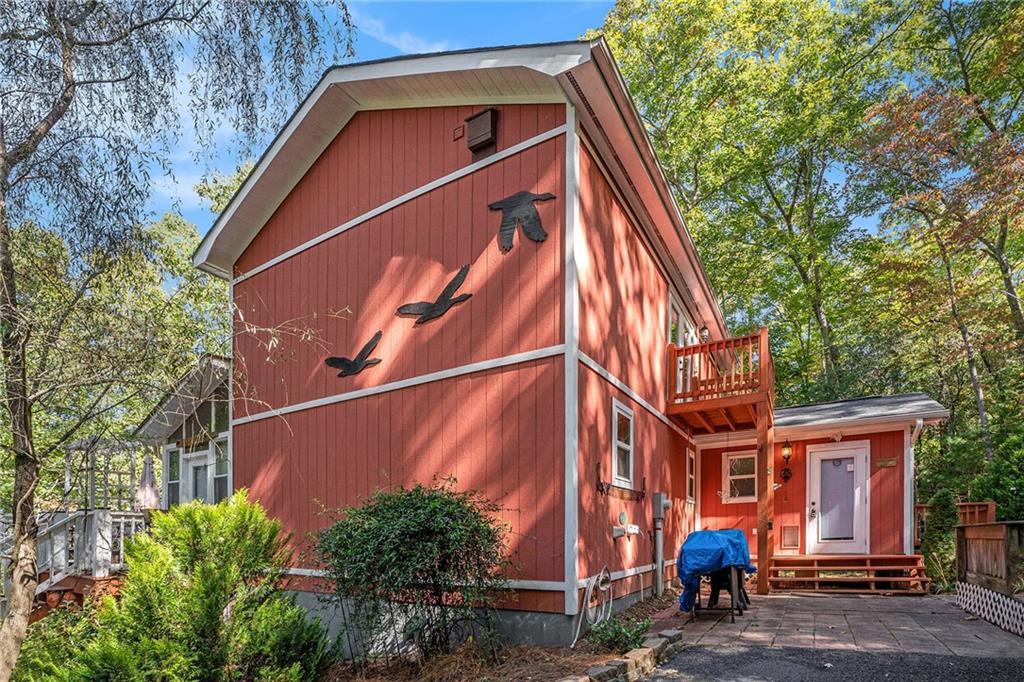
(403, 41)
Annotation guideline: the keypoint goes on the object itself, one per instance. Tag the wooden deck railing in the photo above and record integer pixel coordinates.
(721, 369)
(991, 555)
(970, 512)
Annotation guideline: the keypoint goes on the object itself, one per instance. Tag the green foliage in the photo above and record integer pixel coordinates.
(53, 641)
(200, 601)
(421, 564)
(939, 543)
(275, 639)
(817, 149)
(108, 659)
(618, 635)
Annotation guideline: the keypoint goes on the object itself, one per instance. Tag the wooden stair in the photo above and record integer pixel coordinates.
(849, 573)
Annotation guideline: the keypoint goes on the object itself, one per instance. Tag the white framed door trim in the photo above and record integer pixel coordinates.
(862, 499)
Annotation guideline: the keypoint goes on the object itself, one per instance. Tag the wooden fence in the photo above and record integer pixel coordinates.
(990, 572)
(970, 512)
(991, 555)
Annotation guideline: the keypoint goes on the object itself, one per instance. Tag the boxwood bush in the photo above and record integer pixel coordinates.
(418, 566)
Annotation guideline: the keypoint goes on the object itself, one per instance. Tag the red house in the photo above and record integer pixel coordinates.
(588, 369)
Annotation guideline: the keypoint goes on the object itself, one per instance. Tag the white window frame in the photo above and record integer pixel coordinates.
(189, 460)
(165, 475)
(617, 478)
(726, 478)
(691, 475)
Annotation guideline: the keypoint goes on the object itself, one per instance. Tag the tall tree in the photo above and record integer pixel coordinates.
(89, 105)
(752, 106)
(971, 59)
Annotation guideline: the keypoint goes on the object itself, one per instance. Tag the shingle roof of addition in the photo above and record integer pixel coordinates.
(903, 406)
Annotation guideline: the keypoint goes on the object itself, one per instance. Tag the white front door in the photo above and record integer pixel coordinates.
(837, 498)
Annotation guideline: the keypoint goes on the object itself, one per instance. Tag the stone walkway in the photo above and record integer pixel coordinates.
(865, 623)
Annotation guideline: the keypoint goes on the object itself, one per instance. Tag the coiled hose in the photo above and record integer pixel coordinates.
(600, 611)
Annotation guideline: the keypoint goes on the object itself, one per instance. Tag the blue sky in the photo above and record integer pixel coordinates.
(387, 29)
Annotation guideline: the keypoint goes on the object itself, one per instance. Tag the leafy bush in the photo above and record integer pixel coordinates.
(619, 636)
(939, 542)
(419, 565)
(201, 601)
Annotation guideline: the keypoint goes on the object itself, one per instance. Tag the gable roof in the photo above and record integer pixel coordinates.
(582, 73)
(908, 406)
(194, 386)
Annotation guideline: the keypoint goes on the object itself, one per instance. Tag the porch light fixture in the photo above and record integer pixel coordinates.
(705, 334)
(787, 452)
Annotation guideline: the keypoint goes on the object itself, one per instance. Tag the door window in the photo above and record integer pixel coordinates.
(837, 499)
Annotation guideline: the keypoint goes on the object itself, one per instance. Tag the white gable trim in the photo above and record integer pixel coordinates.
(329, 107)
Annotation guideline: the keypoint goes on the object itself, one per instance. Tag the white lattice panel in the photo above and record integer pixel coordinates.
(996, 608)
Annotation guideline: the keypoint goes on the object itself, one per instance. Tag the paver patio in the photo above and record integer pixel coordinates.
(866, 623)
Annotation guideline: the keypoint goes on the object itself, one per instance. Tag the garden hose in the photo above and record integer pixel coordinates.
(600, 611)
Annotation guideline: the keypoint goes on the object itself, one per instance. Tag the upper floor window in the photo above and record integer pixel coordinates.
(622, 445)
(739, 477)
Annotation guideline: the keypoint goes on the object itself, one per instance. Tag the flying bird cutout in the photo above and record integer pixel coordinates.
(424, 311)
(355, 366)
(517, 210)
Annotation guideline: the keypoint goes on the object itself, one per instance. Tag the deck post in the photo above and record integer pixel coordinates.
(765, 471)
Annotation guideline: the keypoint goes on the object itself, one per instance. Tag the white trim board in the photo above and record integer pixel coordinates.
(408, 196)
(538, 585)
(619, 384)
(440, 375)
(571, 367)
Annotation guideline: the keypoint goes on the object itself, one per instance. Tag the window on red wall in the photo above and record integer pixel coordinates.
(739, 476)
(622, 445)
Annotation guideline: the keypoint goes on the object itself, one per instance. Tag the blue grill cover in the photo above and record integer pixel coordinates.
(706, 551)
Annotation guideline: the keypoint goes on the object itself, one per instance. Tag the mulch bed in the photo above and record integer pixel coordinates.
(469, 664)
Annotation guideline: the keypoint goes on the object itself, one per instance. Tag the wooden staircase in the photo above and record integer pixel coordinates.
(849, 573)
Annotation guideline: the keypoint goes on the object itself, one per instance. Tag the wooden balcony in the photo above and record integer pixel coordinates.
(721, 385)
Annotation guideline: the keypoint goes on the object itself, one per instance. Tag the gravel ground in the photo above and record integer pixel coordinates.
(799, 664)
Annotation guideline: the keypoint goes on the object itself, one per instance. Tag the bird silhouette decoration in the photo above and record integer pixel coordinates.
(517, 210)
(360, 362)
(424, 311)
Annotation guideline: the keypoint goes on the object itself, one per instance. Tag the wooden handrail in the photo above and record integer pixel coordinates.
(717, 369)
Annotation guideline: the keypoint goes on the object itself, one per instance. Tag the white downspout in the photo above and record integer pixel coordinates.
(910, 487)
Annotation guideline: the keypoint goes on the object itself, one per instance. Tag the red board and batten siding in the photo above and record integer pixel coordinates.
(623, 312)
(349, 286)
(886, 493)
(499, 431)
(378, 156)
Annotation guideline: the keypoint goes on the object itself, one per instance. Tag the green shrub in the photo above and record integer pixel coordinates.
(619, 636)
(201, 601)
(53, 641)
(420, 565)
(109, 659)
(939, 542)
(274, 638)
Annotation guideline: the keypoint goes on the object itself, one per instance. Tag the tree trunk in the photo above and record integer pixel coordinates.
(811, 279)
(972, 364)
(997, 252)
(26, 469)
